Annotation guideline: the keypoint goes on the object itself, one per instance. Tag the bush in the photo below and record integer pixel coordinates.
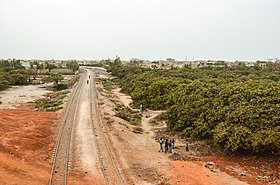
(237, 107)
(51, 104)
(128, 114)
(19, 79)
(108, 85)
(61, 87)
(267, 140)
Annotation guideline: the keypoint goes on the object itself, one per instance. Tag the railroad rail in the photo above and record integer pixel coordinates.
(107, 162)
(60, 162)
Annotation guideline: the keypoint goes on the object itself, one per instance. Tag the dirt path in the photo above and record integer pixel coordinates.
(84, 150)
(91, 150)
(140, 154)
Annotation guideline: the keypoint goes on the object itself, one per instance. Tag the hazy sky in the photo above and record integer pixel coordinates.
(146, 29)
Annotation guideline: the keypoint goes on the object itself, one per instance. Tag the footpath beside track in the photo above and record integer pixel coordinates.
(61, 155)
(60, 160)
(107, 162)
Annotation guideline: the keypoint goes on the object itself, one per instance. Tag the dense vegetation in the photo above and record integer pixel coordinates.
(238, 108)
(13, 73)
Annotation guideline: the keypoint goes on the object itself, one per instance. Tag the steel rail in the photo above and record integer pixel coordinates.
(70, 129)
(94, 95)
(93, 128)
(62, 130)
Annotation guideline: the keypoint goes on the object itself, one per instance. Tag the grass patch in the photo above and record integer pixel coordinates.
(52, 103)
(58, 70)
(108, 85)
(133, 117)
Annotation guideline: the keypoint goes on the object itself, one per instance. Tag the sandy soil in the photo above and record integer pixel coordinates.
(17, 95)
(125, 99)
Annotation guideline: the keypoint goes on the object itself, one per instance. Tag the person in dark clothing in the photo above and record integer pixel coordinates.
(141, 108)
(166, 145)
(87, 81)
(170, 146)
(187, 145)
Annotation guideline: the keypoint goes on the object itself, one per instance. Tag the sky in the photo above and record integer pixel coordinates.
(144, 29)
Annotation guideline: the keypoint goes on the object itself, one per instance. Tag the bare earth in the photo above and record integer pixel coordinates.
(18, 95)
(27, 141)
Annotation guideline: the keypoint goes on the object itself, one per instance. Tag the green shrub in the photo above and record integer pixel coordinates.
(237, 107)
(61, 87)
(232, 137)
(267, 141)
(51, 104)
(128, 114)
(108, 85)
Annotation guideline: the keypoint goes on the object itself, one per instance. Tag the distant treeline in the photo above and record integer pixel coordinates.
(238, 108)
(14, 73)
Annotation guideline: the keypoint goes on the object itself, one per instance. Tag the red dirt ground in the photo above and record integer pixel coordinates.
(268, 170)
(191, 173)
(252, 170)
(27, 140)
(26, 144)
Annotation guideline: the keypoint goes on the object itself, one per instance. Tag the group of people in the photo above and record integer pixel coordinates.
(169, 145)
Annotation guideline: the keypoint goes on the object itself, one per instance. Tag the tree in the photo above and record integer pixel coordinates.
(237, 107)
(11, 65)
(39, 66)
(135, 62)
(74, 65)
(4, 83)
(18, 77)
(55, 78)
(50, 66)
(32, 74)
(31, 64)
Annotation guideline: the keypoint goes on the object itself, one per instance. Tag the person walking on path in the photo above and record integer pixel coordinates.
(187, 145)
(160, 145)
(170, 146)
(141, 108)
(166, 146)
(173, 142)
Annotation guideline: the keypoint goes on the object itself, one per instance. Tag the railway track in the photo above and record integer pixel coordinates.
(107, 162)
(60, 162)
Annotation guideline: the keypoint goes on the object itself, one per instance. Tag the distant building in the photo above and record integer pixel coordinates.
(262, 64)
